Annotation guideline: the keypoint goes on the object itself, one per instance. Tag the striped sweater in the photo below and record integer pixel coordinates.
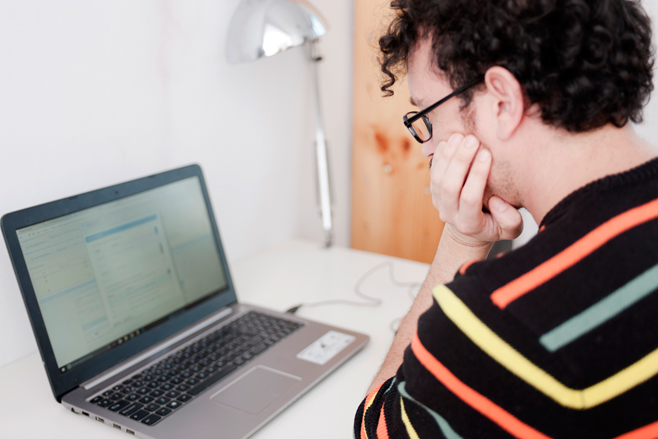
(557, 339)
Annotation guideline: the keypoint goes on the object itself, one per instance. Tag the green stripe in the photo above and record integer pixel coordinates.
(446, 429)
(391, 385)
(601, 312)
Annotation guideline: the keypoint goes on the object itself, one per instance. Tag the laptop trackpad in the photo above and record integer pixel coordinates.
(256, 389)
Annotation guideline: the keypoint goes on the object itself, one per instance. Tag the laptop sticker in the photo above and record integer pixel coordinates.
(326, 347)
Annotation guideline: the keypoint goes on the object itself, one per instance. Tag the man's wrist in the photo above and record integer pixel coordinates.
(449, 232)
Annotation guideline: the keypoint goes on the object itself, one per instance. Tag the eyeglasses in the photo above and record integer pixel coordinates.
(419, 124)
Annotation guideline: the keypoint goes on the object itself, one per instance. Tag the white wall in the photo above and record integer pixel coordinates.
(95, 93)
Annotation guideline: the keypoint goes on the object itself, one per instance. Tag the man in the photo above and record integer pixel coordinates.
(557, 338)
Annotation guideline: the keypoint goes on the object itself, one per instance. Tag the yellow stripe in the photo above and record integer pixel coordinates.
(407, 423)
(520, 366)
(365, 410)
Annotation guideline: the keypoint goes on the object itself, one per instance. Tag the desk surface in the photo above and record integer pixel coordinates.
(278, 278)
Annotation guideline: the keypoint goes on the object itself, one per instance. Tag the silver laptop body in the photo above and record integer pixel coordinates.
(132, 303)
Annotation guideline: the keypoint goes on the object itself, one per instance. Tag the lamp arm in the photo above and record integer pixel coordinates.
(322, 162)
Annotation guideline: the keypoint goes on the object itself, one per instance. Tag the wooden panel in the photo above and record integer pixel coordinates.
(392, 211)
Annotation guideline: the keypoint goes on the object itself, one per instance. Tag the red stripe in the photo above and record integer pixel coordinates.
(648, 432)
(479, 402)
(382, 428)
(506, 294)
(464, 267)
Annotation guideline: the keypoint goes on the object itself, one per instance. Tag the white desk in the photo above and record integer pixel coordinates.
(277, 278)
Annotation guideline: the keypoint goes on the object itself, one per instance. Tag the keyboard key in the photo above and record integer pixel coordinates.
(116, 396)
(174, 404)
(147, 400)
(118, 406)
(173, 394)
(132, 408)
(152, 407)
(163, 411)
(151, 419)
(139, 415)
(105, 403)
(156, 393)
(184, 398)
(96, 400)
(166, 387)
(132, 398)
(107, 393)
(258, 349)
(254, 341)
(183, 387)
(143, 390)
(162, 400)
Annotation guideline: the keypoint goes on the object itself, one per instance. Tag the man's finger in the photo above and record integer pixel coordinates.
(472, 195)
(507, 217)
(456, 173)
(442, 156)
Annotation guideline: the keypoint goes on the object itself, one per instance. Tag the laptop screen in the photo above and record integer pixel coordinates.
(110, 273)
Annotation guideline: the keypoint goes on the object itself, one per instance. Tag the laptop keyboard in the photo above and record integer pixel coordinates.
(160, 389)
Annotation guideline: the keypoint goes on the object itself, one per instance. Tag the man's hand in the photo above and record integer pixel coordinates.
(460, 169)
(459, 173)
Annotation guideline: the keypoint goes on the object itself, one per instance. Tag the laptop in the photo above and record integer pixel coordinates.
(137, 320)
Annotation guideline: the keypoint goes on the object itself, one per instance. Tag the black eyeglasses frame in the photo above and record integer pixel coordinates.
(408, 121)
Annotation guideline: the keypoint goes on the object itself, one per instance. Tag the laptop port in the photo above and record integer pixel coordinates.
(116, 426)
(130, 432)
(100, 419)
(85, 413)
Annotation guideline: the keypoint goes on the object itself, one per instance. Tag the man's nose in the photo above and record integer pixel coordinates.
(428, 148)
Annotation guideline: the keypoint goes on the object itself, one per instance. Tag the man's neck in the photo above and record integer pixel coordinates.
(570, 161)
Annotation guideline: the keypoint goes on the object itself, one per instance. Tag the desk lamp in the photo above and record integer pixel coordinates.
(266, 27)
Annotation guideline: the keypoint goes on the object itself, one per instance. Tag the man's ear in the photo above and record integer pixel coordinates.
(507, 100)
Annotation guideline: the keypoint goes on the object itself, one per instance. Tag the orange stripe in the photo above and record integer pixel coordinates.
(648, 432)
(369, 399)
(577, 251)
(480, 403)
(382, 429)
(464, 267)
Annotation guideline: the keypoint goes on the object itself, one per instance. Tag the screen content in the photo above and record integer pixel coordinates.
(107, 274)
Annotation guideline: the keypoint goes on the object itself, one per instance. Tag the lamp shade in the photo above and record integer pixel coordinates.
(266, 27)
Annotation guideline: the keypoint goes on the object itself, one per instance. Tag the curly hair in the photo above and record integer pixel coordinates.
(585, 63)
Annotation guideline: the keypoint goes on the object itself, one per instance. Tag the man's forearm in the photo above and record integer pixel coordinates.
(450, 255)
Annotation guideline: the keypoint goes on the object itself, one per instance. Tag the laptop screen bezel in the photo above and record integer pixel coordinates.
(62, 383)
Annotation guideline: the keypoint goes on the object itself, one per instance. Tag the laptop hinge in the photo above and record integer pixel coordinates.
(165, 344)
